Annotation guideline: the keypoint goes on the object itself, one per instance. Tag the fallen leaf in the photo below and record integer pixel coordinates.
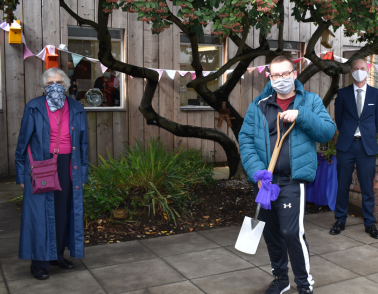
(191, 229)
(163, 232)
(206, 217)
(147, 233)
(86, 241)
(99, 221)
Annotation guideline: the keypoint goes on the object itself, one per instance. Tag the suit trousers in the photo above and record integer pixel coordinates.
(284, 233)
(62, 203)
(365, 166)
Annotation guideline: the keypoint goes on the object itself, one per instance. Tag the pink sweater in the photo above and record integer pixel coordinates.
(65, 136)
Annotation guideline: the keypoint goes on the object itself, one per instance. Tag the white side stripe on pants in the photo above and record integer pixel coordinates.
(301, 233)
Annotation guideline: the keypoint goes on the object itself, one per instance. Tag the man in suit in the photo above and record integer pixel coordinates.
(356, 114)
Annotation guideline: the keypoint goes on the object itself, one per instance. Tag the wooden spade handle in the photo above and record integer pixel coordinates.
(277, 147)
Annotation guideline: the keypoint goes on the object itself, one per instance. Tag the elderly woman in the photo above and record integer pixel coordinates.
(52, 220)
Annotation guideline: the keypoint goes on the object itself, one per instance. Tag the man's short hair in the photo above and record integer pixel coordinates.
(282, 58)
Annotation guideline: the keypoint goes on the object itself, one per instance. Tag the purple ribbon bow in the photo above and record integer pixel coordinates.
(268, 192)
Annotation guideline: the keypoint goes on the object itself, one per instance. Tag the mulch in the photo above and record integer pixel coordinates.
(224, 204)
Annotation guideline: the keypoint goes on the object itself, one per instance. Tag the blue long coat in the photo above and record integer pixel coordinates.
(38, 239)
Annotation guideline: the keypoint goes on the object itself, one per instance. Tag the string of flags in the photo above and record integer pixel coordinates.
(50, 50)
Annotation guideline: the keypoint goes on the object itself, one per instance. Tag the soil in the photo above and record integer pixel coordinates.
(223, 204)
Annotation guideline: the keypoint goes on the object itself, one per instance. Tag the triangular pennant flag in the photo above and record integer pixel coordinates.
(182, 72)
(229, 71)
(91, 59)
(206, 73)
(242, 76)
(103, 68)
(171, 73)
(251, 69)
(267, 74)
(308, 61)
(369, 65)
(63, 47)
(131, 77)
(51, 49)
(261, 68)
(160, 72)
(297, 60)
(193, 74)
(4, 26)
(27, 52)
(76, 58)
(42, 54)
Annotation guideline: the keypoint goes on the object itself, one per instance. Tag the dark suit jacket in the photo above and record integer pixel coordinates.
(347, 119)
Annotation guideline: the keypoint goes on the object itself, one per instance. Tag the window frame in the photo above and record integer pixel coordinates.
(121, 77)
(223, 52)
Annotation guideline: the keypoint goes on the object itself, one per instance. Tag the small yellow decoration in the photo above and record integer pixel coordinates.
(325, 39)
(15, 34)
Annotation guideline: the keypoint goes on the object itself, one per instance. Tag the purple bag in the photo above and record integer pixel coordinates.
(44, 173)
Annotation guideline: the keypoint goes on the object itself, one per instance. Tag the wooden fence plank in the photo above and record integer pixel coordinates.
(3, 111)
(120, 118)
(65, 21)
(207, 121)
(86, 9)
(151, 60)
(194, 119)
(15, 92)
(293, 24)
(135, 85)
(105, 134)
(51, 21)
(92, 137)
(33, 36)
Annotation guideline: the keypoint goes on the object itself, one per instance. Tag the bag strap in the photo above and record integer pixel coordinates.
(57, 143)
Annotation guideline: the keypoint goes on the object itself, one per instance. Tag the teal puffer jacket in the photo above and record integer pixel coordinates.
(313, 124)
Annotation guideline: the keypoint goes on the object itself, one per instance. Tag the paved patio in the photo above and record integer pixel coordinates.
(204, 262)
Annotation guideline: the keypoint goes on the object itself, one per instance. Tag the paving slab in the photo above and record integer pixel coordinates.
(224, 236)
(260, 258)
(9, 247)
(3, 288)
(136, 275)
(323, 272)
(111, 254)
(9, 229)
(18, 269)
(208, 262)
(81, 282)
(181, 288)
(357, 233)
(354, 286)
(248, 281)
(373, 277)
(310, 227)
(327, 219)
(362, 260)
(178, 244)
(322, 242)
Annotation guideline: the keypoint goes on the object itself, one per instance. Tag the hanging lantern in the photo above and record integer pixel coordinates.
(14, 36)
(52, 60)
(325, 39)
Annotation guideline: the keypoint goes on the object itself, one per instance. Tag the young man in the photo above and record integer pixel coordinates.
(296, 165)
(356, 114)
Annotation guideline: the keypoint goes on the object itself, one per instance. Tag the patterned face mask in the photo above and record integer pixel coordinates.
(55, 96)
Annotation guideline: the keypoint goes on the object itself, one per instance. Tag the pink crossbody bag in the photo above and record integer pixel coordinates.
(44, 174)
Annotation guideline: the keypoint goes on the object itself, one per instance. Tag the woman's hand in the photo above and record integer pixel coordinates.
(259, 183)
(22, 186)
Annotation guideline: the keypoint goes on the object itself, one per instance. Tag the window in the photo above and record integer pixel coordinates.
(86, 75)
(211, 57)
(294, 50)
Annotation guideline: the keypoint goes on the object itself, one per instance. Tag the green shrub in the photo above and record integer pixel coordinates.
(163, 178)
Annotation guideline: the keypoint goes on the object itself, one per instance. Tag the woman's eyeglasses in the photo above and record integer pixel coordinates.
(285, 75)
(56, 82)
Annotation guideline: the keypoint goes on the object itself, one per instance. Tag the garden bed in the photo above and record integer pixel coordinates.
(225, 203)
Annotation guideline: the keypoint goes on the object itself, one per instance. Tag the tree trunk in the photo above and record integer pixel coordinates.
(240, 174)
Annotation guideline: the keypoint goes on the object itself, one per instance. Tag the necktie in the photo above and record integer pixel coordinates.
(359, 105)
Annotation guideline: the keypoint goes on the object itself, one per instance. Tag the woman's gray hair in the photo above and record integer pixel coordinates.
(52, 72)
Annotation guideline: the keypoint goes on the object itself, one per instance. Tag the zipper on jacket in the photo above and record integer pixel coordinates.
(266, 143)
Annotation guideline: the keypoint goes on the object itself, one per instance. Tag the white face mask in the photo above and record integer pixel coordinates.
(359, 75)
(282, 86)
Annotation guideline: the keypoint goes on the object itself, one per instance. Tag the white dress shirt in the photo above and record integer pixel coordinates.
(363, 94)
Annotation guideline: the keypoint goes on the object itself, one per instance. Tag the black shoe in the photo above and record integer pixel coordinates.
(278, 286)
(39, 273)
(305, 291)
(65, 264)
(372, 230)
(337, 228)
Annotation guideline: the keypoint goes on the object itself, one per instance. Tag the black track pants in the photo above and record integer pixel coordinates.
(284, 233)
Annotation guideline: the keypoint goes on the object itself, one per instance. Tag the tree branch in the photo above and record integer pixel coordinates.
(245, 35)
(281, 27)
(308, 73)
(332, 90)
(79, 19)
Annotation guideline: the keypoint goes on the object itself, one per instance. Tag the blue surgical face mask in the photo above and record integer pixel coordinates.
(107, 75)
(283, 86)
(70, 72)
